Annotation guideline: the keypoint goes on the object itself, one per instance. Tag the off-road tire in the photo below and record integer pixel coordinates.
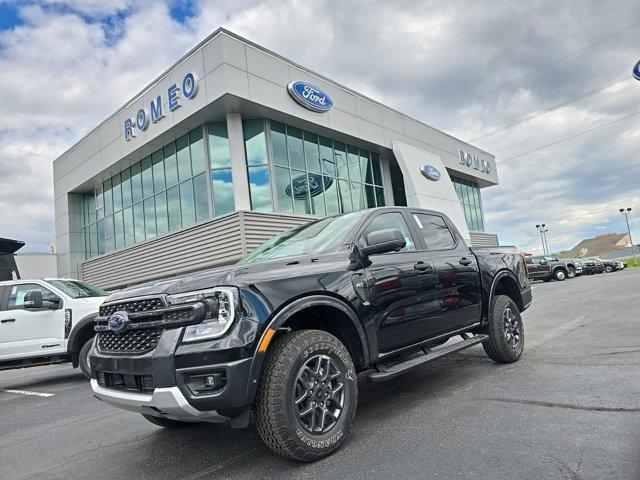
(496, 346)
(167, 422)
(608, 269)
(83, 358)
(277, 416)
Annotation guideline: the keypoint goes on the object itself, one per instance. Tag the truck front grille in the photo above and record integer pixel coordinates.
(135, 342)
(139, 305)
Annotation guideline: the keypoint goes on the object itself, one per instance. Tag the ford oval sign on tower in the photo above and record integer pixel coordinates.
(432, 173)
(310, 96)
(636, 71)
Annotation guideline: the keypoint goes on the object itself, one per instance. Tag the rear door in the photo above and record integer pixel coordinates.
(459, 294)
(30, 333)
(401, 285)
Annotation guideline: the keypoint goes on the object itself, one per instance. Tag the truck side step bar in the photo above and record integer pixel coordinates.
(387, 371)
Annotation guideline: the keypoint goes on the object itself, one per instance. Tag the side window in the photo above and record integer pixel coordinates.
(435, 232)
(390, 220)
(17, 293)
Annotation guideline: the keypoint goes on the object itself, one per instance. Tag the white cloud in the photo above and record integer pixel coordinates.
(72, 63)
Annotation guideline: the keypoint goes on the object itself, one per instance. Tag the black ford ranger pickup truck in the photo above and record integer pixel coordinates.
(286, 331)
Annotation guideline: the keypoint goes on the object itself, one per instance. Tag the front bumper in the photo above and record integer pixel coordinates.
(173, 374)
(167, 402)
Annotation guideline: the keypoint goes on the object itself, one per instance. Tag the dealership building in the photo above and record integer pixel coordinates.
(234, 144)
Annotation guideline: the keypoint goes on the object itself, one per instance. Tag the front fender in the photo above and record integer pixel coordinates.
(74, 343)
(287, 312)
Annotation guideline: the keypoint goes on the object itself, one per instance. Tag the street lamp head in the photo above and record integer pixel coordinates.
(629, 209)
(537, 226)
(543, 225)
(622, 210)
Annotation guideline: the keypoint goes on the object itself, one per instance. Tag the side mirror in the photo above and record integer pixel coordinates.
(33, 299)
(383, 241)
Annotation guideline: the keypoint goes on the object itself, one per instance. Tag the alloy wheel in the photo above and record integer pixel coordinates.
(319, 394)
(512, 330)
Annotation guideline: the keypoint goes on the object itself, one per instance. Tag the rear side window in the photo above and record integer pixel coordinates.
(435, 232)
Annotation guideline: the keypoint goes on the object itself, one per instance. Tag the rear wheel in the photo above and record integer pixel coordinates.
(83, 358)
(307, 395)
(506, 332)
(167, 422)
(608, 269)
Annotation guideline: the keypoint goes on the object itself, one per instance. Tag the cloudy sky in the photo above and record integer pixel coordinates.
(544, 85)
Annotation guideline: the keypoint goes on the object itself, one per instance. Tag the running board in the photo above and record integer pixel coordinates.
(388, 371)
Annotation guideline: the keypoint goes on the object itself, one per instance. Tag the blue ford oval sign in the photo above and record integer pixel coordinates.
(117, 322)
(311, 183)
(310, 96)
(432, 173)
(636, 71)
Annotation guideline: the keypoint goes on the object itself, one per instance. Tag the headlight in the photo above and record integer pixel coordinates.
(220, 303)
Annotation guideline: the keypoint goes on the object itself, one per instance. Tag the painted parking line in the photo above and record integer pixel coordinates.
(25, 392)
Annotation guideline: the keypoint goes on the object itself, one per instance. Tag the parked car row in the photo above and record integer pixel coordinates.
(549, 267)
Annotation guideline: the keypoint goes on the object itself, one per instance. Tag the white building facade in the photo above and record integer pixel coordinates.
(234, 144)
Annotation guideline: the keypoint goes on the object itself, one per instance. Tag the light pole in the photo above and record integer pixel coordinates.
(626, 212)
(543, 237)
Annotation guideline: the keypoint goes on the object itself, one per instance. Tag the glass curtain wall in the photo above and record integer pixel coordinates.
(310, 173)
(469, 196)
(163, 192)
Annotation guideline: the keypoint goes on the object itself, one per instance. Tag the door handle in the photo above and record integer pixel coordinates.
(422, 266)
(465, 261)
(8, 320)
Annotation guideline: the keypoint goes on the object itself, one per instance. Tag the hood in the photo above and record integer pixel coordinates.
(223, 276)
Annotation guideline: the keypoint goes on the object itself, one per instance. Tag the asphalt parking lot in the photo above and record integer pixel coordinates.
(569, 409)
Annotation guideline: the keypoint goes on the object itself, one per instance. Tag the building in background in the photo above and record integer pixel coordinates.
(14, 265)
(234, 144)
(599, 246)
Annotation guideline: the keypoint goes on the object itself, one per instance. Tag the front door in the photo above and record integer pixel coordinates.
(30, 333)
(402, 288)
(459, 294)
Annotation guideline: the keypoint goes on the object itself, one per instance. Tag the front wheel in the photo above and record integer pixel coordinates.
(560, 275)
(506, 331)
(83, 358)
(572, 272)
(608, 269)
(307, 395)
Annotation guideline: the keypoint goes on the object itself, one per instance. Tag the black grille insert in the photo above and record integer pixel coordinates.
(132, 383)
(140, 305)
(132, 341)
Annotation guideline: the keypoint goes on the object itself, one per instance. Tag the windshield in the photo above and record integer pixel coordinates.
(77, 289)
(321, 236)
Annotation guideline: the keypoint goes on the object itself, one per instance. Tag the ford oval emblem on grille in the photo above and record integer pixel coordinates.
(118, 321)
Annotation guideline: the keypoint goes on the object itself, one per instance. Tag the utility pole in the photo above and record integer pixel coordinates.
(626, 212)
(543, 237)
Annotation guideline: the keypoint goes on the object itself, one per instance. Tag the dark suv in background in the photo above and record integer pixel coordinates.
(539, 268)
(592, 265)
(574, 267)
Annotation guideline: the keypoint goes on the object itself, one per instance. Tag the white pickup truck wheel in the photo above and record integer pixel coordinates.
(83, 358)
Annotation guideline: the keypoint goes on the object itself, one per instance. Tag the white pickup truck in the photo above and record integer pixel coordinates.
(47, 321)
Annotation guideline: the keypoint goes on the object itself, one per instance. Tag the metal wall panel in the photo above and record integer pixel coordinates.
(480, 239)
(218, 242)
